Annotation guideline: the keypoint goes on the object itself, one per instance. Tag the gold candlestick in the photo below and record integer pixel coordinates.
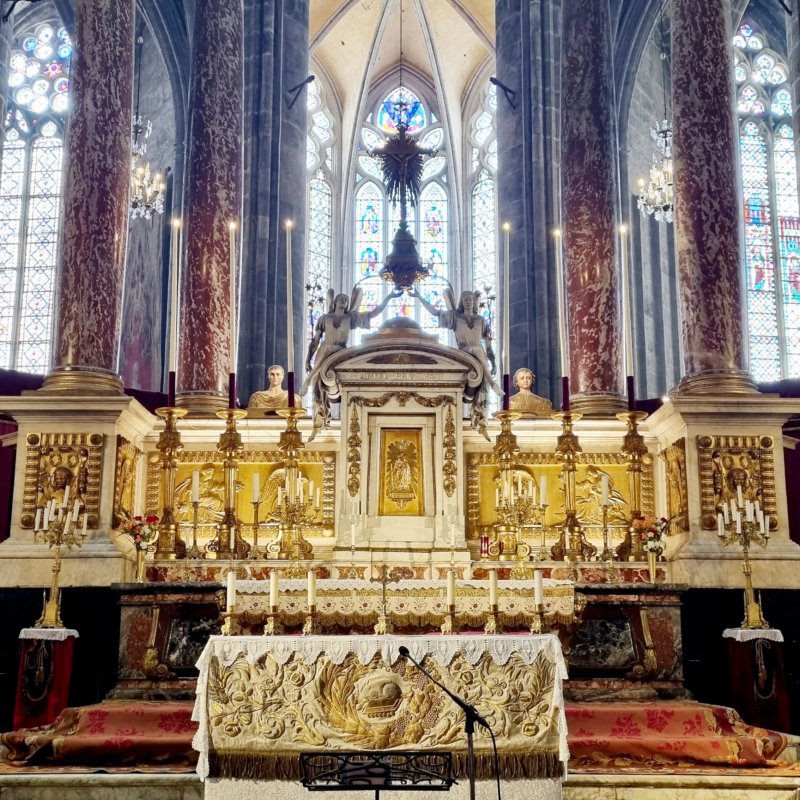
(634, 448)
(311, 623)
(229, 543)
(254, 552)
(169, 544)
(537, 626)
(572, 544)
(273, 626)
(449, 625)
(493, 620)
(194, 551)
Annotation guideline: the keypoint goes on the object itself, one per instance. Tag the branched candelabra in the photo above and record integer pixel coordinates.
(572, 544)
(229, 543)
(59, 529)
(297, 507)
(745, 524)
(635, 449)
(169, 545)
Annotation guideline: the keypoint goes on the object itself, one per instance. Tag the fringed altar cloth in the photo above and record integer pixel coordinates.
(261, 701)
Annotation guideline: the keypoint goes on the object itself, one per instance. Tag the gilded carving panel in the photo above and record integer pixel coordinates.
(677, 488)
(128, 457)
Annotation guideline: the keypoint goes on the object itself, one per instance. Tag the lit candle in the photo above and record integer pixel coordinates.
(492, 587)
(538, 588)
(604, 488)
(289, 305)
(273, 588)
(173, 295)
(232, 282)
(562, 314)
(231, 601)
(196, 486)
(312, 588)
(626, 299)
(451, 588)
(256, 486)
(543, 490)
(506, 298)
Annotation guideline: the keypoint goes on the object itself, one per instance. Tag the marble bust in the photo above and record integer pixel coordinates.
(276, 396)
(525, 400)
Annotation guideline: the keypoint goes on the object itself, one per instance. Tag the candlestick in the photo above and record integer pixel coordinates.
(232, 283)
(289, 305)
(231, 594)
(451, 588)
(506, 301)
(173, 297)
(626, 300)
(493, 587)
(562, 312)
(256, 486)
(273, 588)
(538, 587)
(312, 588)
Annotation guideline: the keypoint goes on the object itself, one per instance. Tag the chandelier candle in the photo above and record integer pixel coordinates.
(506, 315)
(289, 315)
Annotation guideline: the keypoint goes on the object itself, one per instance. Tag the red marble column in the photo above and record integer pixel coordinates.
(212, 201)
(707, 199)
(95, 227)
(588, 207)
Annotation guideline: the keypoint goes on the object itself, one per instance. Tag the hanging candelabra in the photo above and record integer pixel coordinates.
(58, 527)
(635, 449)
(745, 524)
(229, 543)
(169, 544)
(298, 505)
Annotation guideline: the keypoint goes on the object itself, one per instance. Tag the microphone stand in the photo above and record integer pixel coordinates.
(471, 716)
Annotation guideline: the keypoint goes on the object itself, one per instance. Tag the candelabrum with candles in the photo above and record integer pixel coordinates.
(572, 544)
(58, 527)
(635, 449)
(745, 523)
(384, 623)
(298, 504)
(169, 545)
(229, 543)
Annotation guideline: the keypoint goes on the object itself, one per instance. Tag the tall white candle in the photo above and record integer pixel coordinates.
(195, 486)
(173, 295)
(85, 523)
(725, 516)
(232, 232)
(626, 300)
(273, 588)
(76, 510)
(38, 521)
(766, 525)
(538, 588)
(65, 501)
(451, 588)
(506, 298)
(562, 314)
(353, 535)
(604, 488)
(493, 587)
(720, 525)
(233, 538)
(231, 599)
(289, 304)
(543, 490)
(256, 486)
(312, 588)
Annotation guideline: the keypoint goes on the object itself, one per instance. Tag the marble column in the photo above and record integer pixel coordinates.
(707, 199)
(95, 227)
(588, 203)
(527, 180)
(276, 181)
(211, 202)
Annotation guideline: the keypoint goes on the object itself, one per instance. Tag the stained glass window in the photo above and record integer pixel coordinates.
(30, 196)
(771, 214)
(376, 220)
(320, 136)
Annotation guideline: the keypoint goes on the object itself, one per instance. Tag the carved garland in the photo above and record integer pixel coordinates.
(80, 453)
(724, 459)
(354, 455)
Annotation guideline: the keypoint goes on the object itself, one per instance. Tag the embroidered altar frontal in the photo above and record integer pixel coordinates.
(262, 701)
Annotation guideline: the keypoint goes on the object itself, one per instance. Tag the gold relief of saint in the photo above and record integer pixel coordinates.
(211, 507)
(589, 499)
(402, 471)
(60, 470)
(276, 396)
(525, 400)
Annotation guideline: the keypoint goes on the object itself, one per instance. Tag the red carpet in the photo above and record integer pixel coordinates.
(674, 735)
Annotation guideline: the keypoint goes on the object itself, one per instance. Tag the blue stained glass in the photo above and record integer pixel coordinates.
(401, 104)
(30, 44)
(370, 221)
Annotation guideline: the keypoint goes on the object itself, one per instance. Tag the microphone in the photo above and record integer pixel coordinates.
(469, 710)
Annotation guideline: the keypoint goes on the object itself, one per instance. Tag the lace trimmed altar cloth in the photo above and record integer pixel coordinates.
(261, 701)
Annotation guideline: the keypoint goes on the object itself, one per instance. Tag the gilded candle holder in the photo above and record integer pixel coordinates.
(449, 625)
(493, 620)
(169, 544)
(273, 626)
(311, 622)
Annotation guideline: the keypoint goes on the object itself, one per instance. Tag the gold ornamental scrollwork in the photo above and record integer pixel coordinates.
(128, 456)
(55, 461)
(403, 399)
(354, 455)
(674, 458)
(450, 468)
(726, 462)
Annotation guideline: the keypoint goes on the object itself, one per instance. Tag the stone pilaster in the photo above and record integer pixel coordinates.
(5, 56)
(588, 202)
(96, 193)
(212, 202)
(527, 182)
(276, 44)
(707, 199)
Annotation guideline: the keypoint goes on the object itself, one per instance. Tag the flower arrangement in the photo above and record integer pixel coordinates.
(651, 532)
(142, 530)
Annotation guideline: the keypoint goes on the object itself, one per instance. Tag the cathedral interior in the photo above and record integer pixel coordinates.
(377, 321)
